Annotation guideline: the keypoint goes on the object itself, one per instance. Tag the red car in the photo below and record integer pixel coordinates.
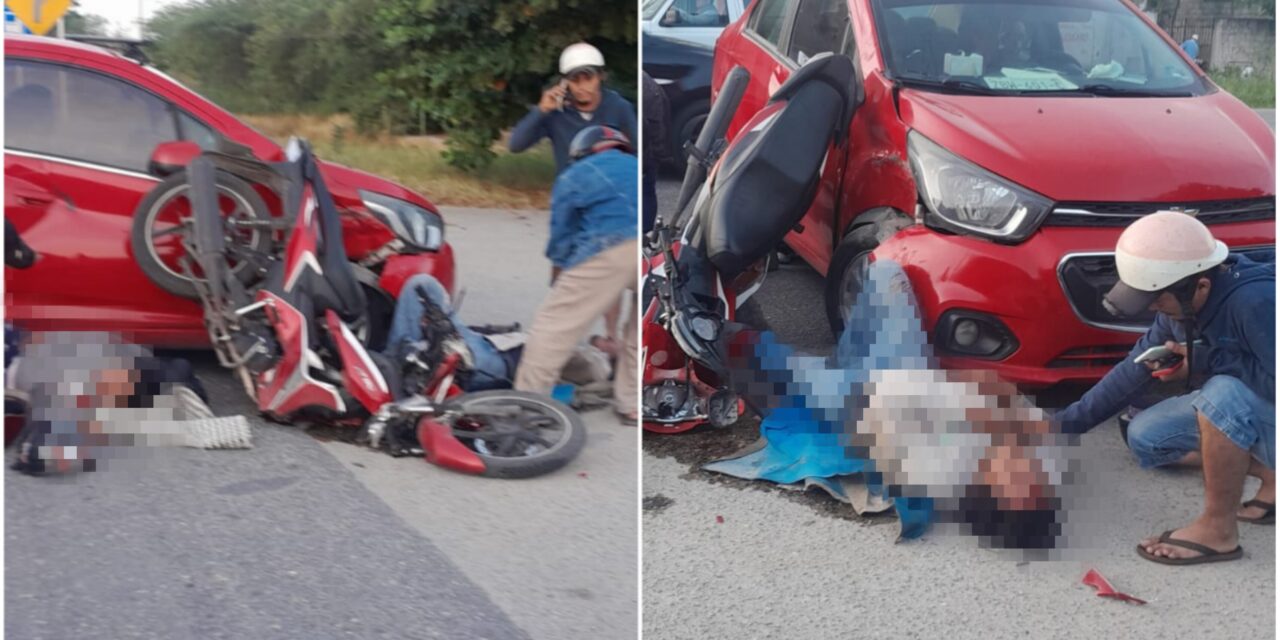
(999, 150)
(81, 126)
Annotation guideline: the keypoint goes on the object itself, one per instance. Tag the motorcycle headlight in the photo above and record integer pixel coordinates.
(418, 228)
(962, 197)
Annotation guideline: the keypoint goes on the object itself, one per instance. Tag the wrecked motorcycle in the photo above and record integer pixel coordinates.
(284, 326)
(700, 267)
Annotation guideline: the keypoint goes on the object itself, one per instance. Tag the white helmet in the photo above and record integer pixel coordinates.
(1155, 253)
(579, 55)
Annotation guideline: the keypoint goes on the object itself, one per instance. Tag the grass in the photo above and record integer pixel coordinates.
(512, 181)
(1257, 91)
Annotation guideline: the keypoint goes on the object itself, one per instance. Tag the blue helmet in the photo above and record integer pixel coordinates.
(595, 139)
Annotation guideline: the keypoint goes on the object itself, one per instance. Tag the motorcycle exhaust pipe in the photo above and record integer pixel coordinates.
(713, 131)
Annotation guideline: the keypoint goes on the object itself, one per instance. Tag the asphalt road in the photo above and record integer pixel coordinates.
(306, 537)
(730, 559)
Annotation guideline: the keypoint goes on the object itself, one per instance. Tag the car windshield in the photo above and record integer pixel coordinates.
(650, 8)
(1016, 47)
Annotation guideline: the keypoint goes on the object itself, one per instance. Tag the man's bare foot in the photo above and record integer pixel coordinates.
(1223, 539)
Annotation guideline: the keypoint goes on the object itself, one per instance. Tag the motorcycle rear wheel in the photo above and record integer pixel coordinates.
(154, 249)
(560, 430)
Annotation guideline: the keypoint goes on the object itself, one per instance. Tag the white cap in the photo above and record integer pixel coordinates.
(579, 55)
(1156, 252)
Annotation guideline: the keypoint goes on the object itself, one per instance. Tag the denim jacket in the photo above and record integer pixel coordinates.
(593, 207)
(1237, 324)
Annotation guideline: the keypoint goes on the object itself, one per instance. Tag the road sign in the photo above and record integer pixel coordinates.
(12, 24)
(38, 15)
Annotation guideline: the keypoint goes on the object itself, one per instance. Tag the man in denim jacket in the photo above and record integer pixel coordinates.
(593, 252)
(1169, 262)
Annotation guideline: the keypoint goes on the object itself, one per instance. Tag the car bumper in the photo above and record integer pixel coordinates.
(1020, 287)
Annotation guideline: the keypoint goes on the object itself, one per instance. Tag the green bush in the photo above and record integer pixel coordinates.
(1257, 91)
(469, 69)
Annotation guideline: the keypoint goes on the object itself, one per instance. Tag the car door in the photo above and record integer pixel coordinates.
(820, 26)
(80, 141)
(758, 49)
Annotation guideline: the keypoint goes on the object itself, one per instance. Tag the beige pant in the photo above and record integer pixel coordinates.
(579, 296)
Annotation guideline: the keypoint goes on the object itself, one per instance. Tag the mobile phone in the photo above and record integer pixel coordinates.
(1160, 353)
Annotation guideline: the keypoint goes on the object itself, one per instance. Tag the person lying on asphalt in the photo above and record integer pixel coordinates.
(424, 314)
(593, 252)
(1216, 310)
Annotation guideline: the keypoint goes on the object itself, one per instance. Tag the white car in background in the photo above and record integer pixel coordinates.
(697, 21)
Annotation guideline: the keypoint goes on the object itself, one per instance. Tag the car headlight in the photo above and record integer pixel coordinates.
(417, 227)
(963, 197)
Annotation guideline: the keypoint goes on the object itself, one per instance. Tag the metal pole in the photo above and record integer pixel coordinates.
(141, 18)
(61, 31)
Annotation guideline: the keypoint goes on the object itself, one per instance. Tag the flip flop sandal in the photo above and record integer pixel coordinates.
(1206, 554)
(1267, 518)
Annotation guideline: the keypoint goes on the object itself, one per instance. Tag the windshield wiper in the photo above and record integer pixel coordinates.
(1120, 92)
(952, 85)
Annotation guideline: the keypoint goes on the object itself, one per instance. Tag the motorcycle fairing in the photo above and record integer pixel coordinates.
(360, 375)
(289, 386)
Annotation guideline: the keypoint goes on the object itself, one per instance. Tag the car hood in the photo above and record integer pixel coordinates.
(1106, 149)
(345, 184)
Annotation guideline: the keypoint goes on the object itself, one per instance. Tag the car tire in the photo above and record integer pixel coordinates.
(685, 127)
(141, 238)
(848, 264)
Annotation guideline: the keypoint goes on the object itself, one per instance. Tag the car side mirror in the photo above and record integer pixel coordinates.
(171, 157)
(671, 19)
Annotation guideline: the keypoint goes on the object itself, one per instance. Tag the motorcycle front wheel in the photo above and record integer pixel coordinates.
(516, 433)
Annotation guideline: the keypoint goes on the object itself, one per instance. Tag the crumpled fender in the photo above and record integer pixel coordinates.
(442, 449)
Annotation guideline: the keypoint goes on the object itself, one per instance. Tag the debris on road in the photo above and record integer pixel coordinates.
(1105, 590)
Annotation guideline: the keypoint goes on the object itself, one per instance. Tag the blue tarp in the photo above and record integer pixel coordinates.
(811, 404)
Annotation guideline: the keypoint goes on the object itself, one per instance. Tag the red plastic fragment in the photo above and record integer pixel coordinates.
(1105, 590)
(582, 474)
(719, 519)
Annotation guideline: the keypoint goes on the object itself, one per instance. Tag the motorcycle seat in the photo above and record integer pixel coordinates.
(769, 175)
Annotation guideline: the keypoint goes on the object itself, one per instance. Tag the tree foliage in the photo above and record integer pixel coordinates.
(467, 67)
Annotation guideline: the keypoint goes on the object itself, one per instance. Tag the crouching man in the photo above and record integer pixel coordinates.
(1215, 313)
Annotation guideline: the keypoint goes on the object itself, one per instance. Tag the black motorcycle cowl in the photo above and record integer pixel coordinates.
(770, 174)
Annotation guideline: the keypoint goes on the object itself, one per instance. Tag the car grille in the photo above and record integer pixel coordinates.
(1103, 356)
(1120, 214)
(1085, 278)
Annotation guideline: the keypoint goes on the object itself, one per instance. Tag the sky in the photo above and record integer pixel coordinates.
(124, 13)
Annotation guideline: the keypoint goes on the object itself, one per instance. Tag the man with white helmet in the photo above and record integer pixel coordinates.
(576, 101)
(1215, 311)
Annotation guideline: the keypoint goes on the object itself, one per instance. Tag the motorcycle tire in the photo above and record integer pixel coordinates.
(564, 450)
(142, 240)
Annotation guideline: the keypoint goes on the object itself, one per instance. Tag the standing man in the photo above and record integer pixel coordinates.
(1216, 313)
(1192, 47)
(593, 252)
(578, 100)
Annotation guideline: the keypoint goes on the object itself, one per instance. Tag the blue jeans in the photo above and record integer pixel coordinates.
(406, 326)
(1169, 430)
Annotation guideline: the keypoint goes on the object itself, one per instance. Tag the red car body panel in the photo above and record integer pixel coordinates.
(77, 217)
(1077, 149)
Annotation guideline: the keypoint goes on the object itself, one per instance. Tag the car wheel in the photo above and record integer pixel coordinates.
(163, 219)
(848, 268)
(685, 127)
